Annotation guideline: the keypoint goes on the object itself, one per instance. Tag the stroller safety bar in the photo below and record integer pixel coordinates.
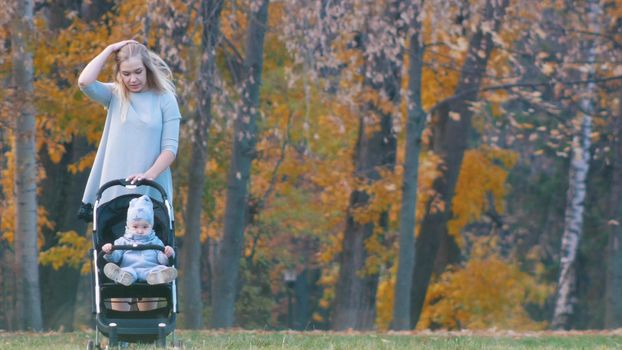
(138, 247)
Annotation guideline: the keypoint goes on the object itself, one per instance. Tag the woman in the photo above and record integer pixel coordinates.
(141, 132)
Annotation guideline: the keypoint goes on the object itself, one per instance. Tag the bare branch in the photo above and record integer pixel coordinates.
(273, 178)
(532, 85)
(235, 61)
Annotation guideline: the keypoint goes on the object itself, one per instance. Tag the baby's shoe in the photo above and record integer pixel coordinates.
(165, 275)
(118, 275)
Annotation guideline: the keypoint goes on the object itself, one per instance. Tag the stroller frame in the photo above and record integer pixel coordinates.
(118, 326)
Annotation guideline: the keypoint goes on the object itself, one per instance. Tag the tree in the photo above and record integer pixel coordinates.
(93, 10)
(613, 281)
(191, 254)
(227, 262)
(451, 125)
(63, 188)
(26, 248)
(579, 167)
(414, 128)
(355, 299)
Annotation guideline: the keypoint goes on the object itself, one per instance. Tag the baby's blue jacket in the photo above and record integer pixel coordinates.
(141, 261)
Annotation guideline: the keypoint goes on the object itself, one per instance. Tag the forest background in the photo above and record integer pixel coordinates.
(343, 164)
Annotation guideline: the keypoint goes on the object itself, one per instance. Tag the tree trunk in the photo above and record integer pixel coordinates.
(355, 299)
(573, 226)
(191, 254)
(356, 295)
(244, 140)
(302, 292)
(450, 136)
(414, 128)
(63, 191)
(579, 167)
(61, 198)
(94, 9)
(7, 287)
(26, 249)
(613, 278)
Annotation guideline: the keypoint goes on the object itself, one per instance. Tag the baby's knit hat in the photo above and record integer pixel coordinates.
(140, 208)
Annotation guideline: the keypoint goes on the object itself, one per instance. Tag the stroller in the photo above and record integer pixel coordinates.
(135, 325)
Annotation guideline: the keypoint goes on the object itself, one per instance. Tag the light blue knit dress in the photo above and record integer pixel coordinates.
(132, 146)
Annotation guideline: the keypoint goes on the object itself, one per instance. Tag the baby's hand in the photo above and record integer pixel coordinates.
(169, 251)
(106, 248)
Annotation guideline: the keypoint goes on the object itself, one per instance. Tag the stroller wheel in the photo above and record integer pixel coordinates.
(90, 345)
(177, 344)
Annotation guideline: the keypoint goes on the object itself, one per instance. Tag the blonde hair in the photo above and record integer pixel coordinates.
(159, 75)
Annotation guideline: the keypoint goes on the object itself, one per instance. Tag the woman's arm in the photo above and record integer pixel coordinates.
(170, 135)
(165, 159)
(92, 70)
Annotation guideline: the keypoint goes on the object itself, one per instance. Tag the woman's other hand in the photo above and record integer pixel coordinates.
(138, 177)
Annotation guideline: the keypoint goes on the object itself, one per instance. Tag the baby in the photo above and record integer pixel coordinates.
(128, 266)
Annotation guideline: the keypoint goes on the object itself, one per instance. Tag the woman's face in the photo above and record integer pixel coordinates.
(133, 74)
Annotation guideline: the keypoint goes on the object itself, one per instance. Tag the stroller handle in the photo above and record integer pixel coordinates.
(122, 182)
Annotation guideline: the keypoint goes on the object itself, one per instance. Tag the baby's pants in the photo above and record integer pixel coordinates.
(140, 274)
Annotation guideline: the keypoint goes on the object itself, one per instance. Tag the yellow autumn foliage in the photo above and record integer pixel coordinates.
(385, 196)
(483, 176)
(328, 281)
(7, 214)
(385, 297)
(72, 250)
(488, 291)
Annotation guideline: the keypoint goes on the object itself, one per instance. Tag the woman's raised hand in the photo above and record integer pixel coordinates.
(117, 46)
(91, 71)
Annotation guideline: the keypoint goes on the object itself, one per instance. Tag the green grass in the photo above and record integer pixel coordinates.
(328, 340)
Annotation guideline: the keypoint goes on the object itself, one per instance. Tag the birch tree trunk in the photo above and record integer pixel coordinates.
(414, 128)
(613, 277)
(26, 249)
(579, 167)
(573, 218)
(191, 254)
(449, 142)
(227, 264)
(573, 224)
(355, 299)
